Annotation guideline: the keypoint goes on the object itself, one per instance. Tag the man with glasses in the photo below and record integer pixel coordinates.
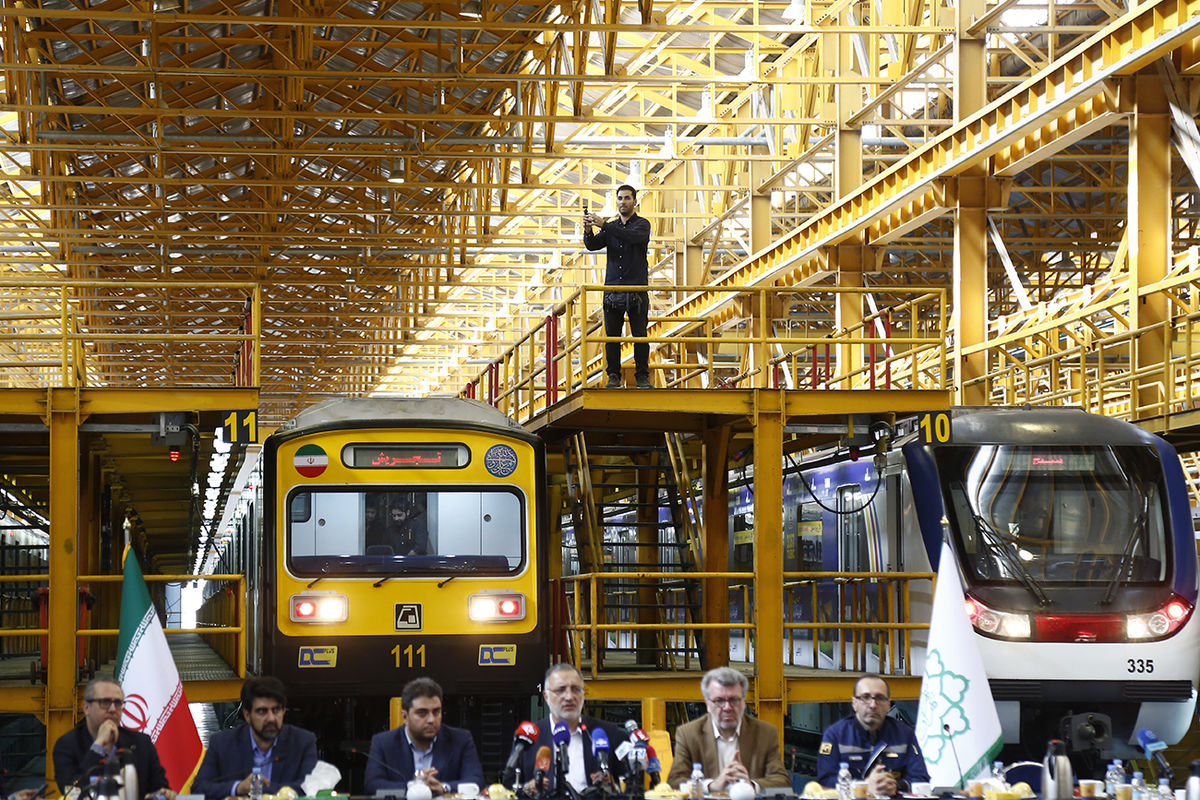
(563, 690)
(880, 749)
(283, 753)
(729, 746)
(82, 752)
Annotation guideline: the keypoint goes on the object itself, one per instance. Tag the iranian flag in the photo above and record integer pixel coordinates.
(154, 700)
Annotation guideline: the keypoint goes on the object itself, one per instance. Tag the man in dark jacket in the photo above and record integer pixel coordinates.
(878, 749)
(627, 241)
(422, 748)
(563, 690)
(79, 753)
(283, 753)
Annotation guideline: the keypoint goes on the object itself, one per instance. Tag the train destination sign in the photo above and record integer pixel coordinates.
(407, 456)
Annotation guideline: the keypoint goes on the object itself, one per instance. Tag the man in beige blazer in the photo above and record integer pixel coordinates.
(727, 744)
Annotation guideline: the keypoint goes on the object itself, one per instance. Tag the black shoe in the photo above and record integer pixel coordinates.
(644, 383)
(614, 382)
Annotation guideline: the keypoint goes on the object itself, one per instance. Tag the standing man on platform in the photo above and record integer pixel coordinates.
(78, 753)
(422, 748)
(727, 744)
(284, 754)
(879, 749)
(563, 691)
(627, 239)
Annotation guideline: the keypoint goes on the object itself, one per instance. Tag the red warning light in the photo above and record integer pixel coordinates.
(173, 453)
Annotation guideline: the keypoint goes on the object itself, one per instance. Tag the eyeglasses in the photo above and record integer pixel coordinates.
(732, 702)
(105, 702)
(867, 699)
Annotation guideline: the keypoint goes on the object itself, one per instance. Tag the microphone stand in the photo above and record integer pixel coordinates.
(563, 787)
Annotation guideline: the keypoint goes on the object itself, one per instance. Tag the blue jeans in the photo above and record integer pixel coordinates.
(637, 307)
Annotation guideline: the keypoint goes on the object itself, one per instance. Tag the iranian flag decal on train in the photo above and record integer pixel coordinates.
(311, 461)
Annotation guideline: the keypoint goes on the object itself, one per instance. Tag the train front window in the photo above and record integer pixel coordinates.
(1061, 515)
(385, 531)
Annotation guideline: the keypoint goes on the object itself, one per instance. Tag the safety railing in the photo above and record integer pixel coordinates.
(1139, 373)
(57, 333)
(98, 617)
(846, 621)
(856, 620)
(1080, 349)
(758, 336)
(232, 626)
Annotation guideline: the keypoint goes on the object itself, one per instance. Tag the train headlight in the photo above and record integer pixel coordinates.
(997, 624)
(1158, 623)
(496, 606)
(319, 607)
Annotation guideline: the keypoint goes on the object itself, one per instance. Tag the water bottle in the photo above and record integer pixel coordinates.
(1193, 782)
(998, 774)
(256, 784)
(696, 784)
(1115, 775)
(1139, 789)
(1164, 789)
(845, 782)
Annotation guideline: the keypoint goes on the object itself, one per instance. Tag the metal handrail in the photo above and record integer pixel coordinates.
(892, 631)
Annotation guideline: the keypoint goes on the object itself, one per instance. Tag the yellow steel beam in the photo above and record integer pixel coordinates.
(60, 702)
(214, 691)
(1135, 40)
(1149, 208)
(769, 418)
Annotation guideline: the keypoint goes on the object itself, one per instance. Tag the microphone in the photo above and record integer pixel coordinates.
(623, 750)
(954, 750)
(541, 766)
(1153, 747)
(600, 749)
(562, 740)
(526, 734)
(653, 767)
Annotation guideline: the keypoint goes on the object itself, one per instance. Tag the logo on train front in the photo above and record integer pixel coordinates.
(497, 655)
(320, 657)
(408, 616)
(500, 460)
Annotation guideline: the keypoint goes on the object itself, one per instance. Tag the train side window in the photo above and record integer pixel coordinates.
(300, 507)
(809, 529)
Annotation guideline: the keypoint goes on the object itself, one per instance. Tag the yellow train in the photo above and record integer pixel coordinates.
(401, 537)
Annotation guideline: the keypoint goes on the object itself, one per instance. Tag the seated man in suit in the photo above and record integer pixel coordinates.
(284, 754)
(99, 735)
(563, 690)
(422, 748)
(729, 745)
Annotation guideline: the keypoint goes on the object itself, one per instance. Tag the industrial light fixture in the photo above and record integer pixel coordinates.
(471, 8)
(398, 171)
(794, 11)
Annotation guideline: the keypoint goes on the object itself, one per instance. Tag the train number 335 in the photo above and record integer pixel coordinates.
(412, 657)
(1140, 664)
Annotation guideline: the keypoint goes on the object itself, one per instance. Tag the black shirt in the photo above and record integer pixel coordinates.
(627, 243)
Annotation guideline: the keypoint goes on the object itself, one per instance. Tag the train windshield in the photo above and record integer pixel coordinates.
(383, 531)
(1057, 515)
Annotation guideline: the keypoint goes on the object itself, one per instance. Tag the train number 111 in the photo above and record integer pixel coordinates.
(412, 657)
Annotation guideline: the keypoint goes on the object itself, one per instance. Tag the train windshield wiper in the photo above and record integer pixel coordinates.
(1126, 562)
(319, 578)
(1003, 552)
